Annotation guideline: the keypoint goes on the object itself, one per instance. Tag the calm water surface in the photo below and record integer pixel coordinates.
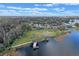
(68, 47)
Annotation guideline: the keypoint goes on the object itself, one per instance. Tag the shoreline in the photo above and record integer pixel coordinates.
(57, 38)
(21, 44)
(61, 37)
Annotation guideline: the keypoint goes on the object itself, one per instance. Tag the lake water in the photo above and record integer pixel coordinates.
(68, 47)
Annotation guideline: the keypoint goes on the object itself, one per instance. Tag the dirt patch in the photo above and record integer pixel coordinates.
(61, 37)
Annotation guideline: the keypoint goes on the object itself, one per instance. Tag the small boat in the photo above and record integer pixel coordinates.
(35, 45)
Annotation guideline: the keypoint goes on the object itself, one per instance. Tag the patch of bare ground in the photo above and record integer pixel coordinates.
(60, 38)
(11, 52)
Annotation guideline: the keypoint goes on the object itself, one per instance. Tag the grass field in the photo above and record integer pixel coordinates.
(36, 35)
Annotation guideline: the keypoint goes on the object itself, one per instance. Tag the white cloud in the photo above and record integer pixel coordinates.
(72, 4)
(55, 4)
(11, 7)
(37, 13)
(18, 8)
(49, 5)
(36, 5)
(30, 9)
(34, 12)
(69, 13)
(64, 12)
(39, 9)
(39, 1)
(7, 11)
(59, 9)
(46, 4)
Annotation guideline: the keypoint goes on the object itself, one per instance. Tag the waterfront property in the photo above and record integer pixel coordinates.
(68, 46)
(20, 34)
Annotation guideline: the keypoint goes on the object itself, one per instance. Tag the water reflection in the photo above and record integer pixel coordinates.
(69, 46)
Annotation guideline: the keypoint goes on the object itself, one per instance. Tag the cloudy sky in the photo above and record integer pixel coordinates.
(38, 9)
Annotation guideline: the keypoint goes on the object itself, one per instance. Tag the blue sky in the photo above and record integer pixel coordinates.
(38, 9)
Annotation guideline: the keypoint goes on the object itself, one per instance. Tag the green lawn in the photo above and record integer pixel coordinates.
(35, 35)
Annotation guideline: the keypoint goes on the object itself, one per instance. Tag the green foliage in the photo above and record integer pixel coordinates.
(66, 20)
(2, 49)
(77, 24)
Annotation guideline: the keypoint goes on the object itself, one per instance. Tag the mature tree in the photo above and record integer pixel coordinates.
(77, 24)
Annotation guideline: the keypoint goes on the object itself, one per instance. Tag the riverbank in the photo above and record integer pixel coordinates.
(37, 35)
(21, 44)
(57, 38)
(61, 37)
(31, 36)
(51, 48)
